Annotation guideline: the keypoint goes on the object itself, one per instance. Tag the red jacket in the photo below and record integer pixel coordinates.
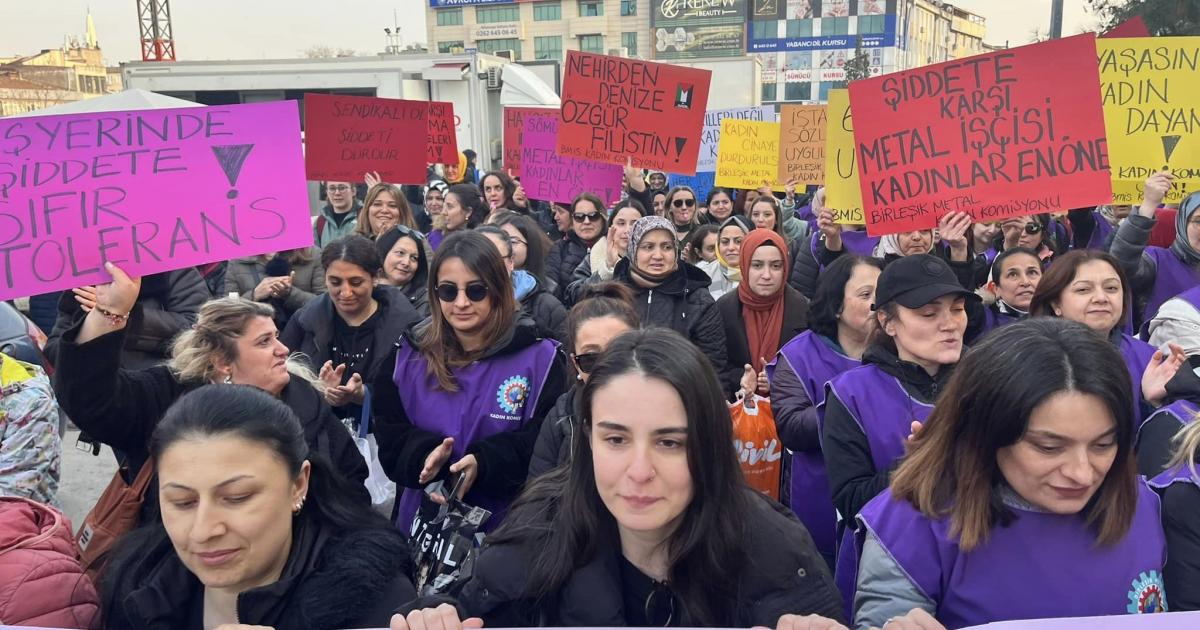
(41, 583)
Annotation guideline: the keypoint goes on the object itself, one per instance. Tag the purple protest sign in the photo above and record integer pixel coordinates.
(147, 190)
(548, 176)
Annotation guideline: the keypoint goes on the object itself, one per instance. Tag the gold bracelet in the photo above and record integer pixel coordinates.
(112, 318)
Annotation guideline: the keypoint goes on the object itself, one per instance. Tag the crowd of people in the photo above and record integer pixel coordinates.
(979, 422)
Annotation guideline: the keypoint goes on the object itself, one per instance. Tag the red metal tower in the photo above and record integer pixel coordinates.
(154, 21)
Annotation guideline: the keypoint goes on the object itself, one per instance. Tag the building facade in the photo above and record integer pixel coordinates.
(544, 30)
(56, 75)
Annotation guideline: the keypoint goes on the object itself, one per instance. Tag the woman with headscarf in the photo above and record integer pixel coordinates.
(456, 173)
(762, 314)
(1156, 274)
(725, 271)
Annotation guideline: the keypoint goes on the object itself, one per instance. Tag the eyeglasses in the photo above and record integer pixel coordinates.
(476, 291)
(1033, 228)
(679, 203)
(586, 362)
(586, 218)
(337, 188)
(512, 240)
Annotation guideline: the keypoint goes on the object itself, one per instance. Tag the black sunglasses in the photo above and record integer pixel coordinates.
(476, 291)
(679, 203)
(1033, 228)
(587, 361)
(586, 218)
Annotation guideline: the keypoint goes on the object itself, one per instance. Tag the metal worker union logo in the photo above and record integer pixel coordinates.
(512, 394)
(1147, 594)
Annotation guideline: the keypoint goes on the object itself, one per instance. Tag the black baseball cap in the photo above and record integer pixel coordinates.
(914, 281)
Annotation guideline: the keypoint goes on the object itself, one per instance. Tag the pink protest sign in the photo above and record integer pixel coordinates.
(148, 190)
(548, 176)
(1158, 621)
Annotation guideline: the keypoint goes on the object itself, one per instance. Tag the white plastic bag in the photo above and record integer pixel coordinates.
(382, 489)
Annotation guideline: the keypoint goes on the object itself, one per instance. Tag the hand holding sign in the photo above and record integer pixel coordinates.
(444, 617)
(114, 302)
(1156, 190)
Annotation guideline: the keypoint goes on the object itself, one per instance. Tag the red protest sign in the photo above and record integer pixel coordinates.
(346, 136)
(615, 108)
(442, 142)
(1011, 133)
(514, 127)
(1133, 27)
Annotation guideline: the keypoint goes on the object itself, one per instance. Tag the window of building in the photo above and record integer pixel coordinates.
(799, 28)
(768, 92)
(546, 11)
(548, 48)
(628, 7)
(824, 90)
(764, 30)
(799, 60)
(490, 46)
(797, 91)
(450, 47)
(449, 17)
(835, 26)
(629, 41)
(592, 43)
(591, 8)
(871, 24)
(490, 15)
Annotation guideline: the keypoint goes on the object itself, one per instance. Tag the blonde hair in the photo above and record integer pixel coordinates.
(1187, 447)
(363, 226)
(214, 338)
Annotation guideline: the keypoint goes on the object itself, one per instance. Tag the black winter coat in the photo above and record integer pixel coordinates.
(122, 407)
(795, 321)
(553, 445)
(785, 575)
(565, 255)
(311, 329)
(166, 306)
(546, 311)
(1153, 446)
(331, 580)
(682, 303)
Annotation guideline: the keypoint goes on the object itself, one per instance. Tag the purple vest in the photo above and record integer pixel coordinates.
(814, 363)
(1173, 277)
(1184, 412)
(854, 241)
(494, 395)
(435, 238)
(1039, 566)
(993, 319)
(1137, 355)
(1100, 233)
(885, 412)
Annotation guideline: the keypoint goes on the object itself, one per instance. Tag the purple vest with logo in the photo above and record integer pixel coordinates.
(814, 363)
(496, 394)
(1173, 277)
(1039, 566)
(1137, 355)
(885, 413)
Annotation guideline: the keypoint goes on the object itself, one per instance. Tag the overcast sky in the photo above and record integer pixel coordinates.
(268, 29)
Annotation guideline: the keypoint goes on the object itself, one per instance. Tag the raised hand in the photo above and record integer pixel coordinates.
(1162, 369)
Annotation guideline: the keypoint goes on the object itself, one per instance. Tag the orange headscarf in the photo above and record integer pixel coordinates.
(763, 315)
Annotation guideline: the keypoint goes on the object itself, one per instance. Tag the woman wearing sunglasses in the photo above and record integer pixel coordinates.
(681, 209)
(1032, 232)
(588, 225)
(652, 524)
(347, 332)
(604, 312)
(467, 389)
(406, 265)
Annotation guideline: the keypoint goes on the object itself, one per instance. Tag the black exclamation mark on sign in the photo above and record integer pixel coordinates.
(679, 144)
(1169, 144)
(232, 157)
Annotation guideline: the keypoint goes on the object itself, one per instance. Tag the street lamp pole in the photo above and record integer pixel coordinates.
(1056, 18)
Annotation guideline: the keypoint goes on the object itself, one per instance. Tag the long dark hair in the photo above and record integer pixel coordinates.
(537, 244)
(438, 343)
(1061, 274)
(831, 293)
(468, 196)
(709, 539)
(509, 185)
(333, 501)
(951, 466)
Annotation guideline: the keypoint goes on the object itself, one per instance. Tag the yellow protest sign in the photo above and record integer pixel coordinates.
(1150, 88)
(748, 154)
(1130, 193)
(802, 144)
(842, 191)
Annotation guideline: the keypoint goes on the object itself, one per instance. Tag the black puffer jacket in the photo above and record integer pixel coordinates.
(166, 306)
(553, 445)
(331, 580)
(682, 303)
(539, 305)
(565, 255)
(785, 575)
(122, 407)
